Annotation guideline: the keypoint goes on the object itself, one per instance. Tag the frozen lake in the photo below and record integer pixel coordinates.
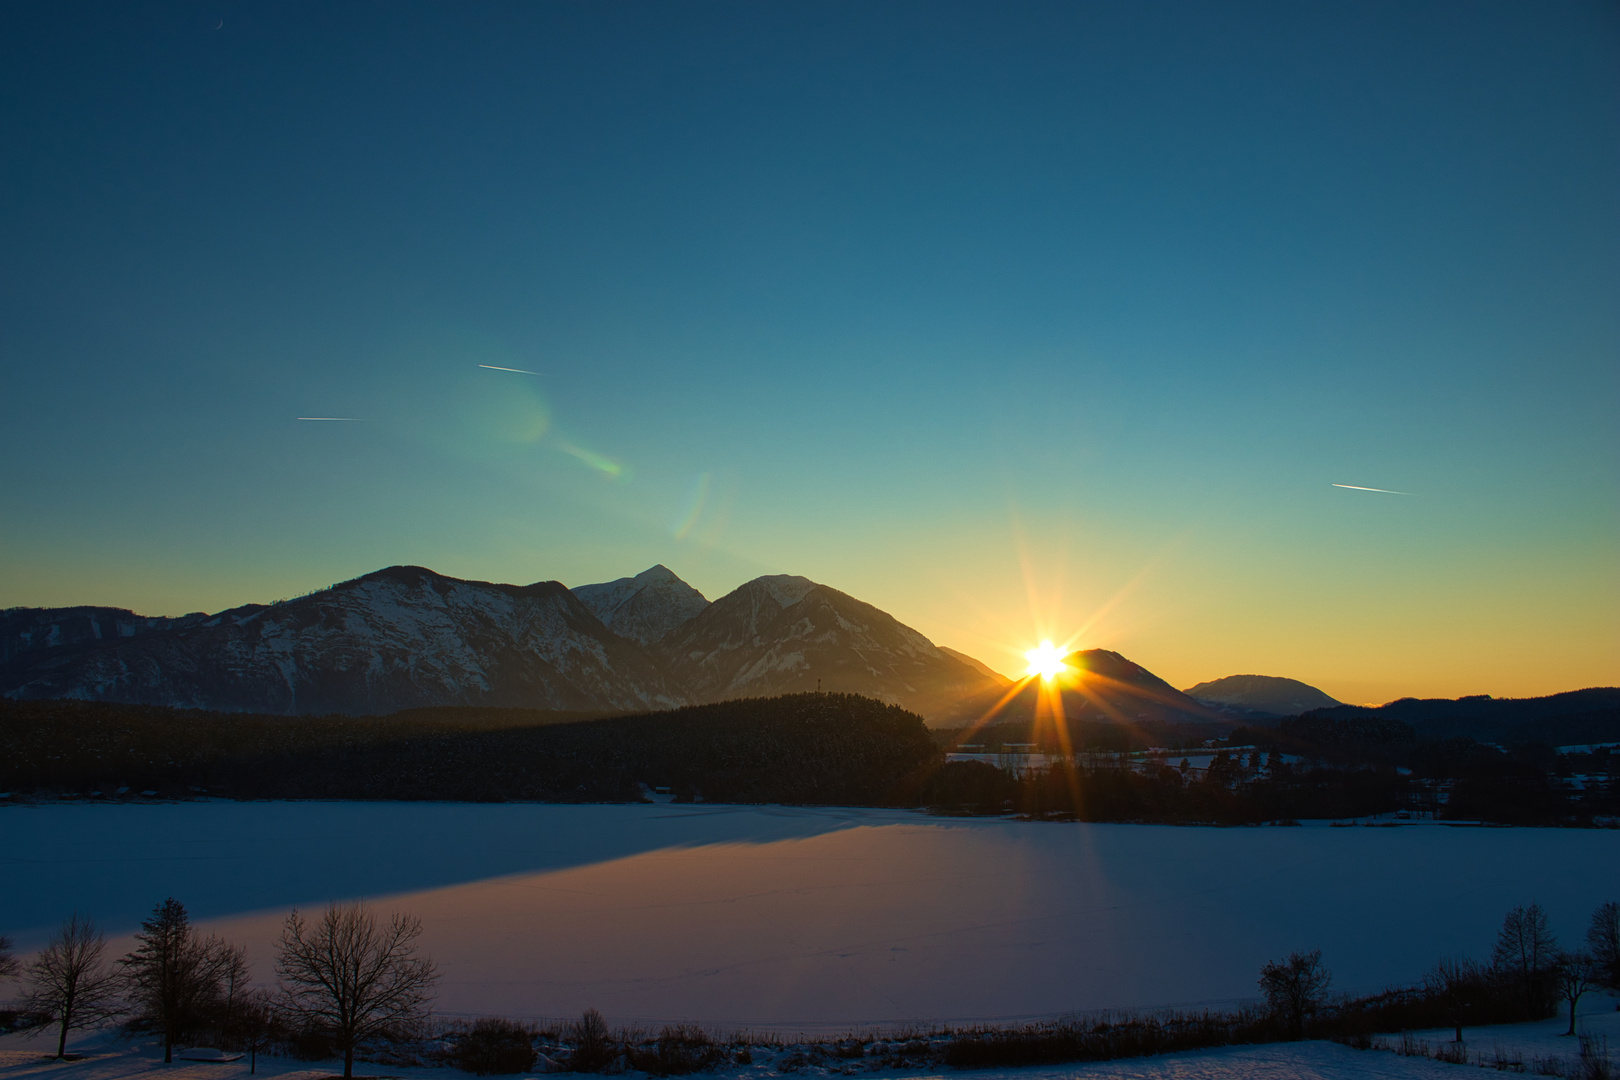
(812, 919)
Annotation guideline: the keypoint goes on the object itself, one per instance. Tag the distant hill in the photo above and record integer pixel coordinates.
(1105, 688)
(1261, 694)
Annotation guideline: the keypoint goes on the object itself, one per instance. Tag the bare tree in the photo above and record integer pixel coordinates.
(68, 982)
(234, 982)
(8, 960)
(1603, 943)
(1295, 987)
(353, 978)
(1577, 973)
(176, 979)
(593, 1046)
(1525, 954)
(253, 1020)
(1457, 982)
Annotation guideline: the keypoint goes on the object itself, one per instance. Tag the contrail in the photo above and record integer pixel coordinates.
(519, 370)
(356, 419)
(1358, 487)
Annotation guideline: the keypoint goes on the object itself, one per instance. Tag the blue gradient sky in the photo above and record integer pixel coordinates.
(997, 316)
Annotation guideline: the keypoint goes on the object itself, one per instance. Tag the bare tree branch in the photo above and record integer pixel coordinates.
(8, 960)
(68, 982)
(1295, 987)
(351, 977)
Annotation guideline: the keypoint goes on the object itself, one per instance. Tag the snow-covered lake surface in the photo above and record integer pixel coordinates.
(810, 919)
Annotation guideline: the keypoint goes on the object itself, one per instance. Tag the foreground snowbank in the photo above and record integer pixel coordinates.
(1290, 1061)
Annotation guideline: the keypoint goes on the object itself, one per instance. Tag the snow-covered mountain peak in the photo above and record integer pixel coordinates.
(785, 589)
(644, 608)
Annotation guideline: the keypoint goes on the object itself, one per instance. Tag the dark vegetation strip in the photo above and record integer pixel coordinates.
(826, 749)
(804, 748)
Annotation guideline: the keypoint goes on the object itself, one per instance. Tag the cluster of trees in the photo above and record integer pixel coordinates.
(1347, 772)
(801, 748)
(1521, 782)
(345, 978)
(1527, 978)
(1231, 791)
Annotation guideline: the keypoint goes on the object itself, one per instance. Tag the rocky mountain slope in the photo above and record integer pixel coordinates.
(643, 608)
(1261, 694)
(783, 634)
(977, 665)
(398, 638)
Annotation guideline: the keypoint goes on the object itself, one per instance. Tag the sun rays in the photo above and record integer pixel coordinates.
(1045, 660)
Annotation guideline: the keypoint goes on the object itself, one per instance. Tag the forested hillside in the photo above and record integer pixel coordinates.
(804, 748)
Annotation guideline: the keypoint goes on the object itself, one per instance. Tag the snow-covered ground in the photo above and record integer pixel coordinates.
(108, 1059)
(1529, 1044)
(804, 919)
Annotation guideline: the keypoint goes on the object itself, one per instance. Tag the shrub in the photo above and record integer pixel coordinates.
(495, 1046)
(1295, 988)
(680, 1049)
(593, 1047)
(312, 1046)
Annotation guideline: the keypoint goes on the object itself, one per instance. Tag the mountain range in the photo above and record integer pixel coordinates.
(407, 637)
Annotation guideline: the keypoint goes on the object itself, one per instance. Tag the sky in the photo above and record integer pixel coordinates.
(1014, 320)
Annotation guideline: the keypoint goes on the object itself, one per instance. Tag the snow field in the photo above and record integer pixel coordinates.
(810, 920)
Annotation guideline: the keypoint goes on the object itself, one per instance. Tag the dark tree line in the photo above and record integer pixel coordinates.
(1228, 792)
(801, 748)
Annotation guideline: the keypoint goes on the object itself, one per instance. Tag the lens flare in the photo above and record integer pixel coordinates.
(607, 466)
(1046, 660)
(695, 502)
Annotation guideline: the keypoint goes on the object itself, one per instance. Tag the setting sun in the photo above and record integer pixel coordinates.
(1046, 661)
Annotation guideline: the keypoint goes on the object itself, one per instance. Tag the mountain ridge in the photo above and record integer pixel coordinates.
(409, 637)
(784, 634)
(399, 637)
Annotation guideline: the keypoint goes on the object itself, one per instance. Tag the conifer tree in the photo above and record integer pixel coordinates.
(176, 978)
